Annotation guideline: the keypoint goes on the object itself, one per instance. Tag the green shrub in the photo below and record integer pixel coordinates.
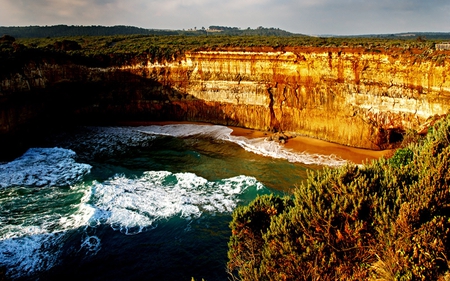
(248, 225)
(387, 220)
(401, 157)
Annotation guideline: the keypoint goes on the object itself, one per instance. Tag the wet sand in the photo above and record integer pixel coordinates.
(315, 146)
(298, 143)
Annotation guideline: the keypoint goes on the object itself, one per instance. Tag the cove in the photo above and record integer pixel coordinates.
(153, 201)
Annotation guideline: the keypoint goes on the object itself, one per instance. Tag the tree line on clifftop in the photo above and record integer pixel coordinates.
(117, 50)
(96, 30)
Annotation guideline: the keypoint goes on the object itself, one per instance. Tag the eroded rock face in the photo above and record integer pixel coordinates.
(354, 98)
(348, 96)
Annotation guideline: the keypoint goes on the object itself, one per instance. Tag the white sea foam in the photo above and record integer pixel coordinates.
(32, 239)
(107, 141)
(33, 242)
(134, 205)
(102, 142)
(38, 214)
(43, 167)
(127, 205)
(30, 254)
(91, 244)
(259, 146)
(275, 150)
(186, 130)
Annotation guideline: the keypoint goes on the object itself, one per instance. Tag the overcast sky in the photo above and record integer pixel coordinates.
(341, 17)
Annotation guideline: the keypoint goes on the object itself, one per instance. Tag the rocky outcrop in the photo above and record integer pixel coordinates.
(355, 97)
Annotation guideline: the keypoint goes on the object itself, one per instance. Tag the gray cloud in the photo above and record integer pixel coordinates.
(302, 16)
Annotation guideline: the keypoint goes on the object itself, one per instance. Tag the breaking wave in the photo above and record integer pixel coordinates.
(36, 224)
(260, 146)
(40, 167)
(135, 205)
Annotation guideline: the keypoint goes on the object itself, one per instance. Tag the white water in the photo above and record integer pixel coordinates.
(43, 167)
(259, 146)
(134, 205)
(30, 254)
(38, 213)
(37, 221)
(32, 239)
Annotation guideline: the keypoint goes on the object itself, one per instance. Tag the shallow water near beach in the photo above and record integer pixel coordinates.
(136, 203)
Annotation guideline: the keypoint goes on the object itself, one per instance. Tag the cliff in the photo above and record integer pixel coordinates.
(356, 97)
(353, 97)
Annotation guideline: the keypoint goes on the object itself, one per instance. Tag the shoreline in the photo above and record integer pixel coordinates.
(297, 143)
(316, 146)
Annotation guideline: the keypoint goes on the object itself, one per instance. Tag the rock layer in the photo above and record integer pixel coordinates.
(354, 97)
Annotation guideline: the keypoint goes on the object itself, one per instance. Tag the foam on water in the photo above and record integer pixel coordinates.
(30, 254)
(259, 146)
(34, 229)
(91, 244)
(40, 212)
(37, 223)
(43, 167)
(275, 150)
(107, 141)
(135, 205)
(102, 142)
(186, 130)
(34, 221)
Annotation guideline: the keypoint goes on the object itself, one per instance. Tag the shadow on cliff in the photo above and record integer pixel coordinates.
(30, 117)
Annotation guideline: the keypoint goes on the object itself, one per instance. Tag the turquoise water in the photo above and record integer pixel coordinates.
(136, 203)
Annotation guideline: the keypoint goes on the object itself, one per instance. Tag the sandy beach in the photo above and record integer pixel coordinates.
(298, 143)
(315, 146)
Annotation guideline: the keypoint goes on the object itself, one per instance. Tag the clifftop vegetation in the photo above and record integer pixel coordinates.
(388, 220)
(115, 45)
(128, 49)
(97, 30)
(76, 30)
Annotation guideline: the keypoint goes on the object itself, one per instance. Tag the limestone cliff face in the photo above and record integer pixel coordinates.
(348, 96)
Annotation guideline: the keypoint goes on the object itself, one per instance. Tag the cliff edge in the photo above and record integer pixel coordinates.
(352, 96)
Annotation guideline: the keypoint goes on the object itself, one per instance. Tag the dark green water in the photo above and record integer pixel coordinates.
(152, 203)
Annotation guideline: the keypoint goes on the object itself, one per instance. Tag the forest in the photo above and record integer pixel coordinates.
(96, 30)
(76, 30)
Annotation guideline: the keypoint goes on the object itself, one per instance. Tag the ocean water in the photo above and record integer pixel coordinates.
(136, 203)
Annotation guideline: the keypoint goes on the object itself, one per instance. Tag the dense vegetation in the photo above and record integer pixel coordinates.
(131, 49)
(387, 220)
(67, 31)
(96, 30)
(118, 45)
(78, 30)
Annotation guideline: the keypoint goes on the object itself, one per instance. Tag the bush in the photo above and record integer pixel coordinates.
(387, 220)
(248, 225)
(401, 157)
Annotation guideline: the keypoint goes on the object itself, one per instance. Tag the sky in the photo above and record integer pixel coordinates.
(312, 17)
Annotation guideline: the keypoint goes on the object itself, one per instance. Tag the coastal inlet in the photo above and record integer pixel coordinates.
(149, 202)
